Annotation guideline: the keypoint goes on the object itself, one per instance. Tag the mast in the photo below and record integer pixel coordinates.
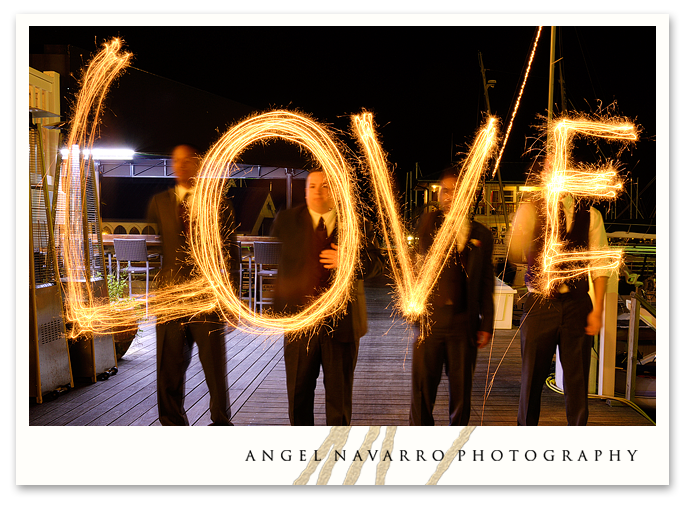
(551, 77)
(486, 85)
(561, 78)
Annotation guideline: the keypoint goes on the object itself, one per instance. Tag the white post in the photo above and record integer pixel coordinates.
(607, 340)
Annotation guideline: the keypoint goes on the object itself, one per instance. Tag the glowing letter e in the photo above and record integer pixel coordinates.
(559, 178)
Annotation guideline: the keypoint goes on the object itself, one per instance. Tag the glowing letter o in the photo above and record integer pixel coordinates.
(207, 245)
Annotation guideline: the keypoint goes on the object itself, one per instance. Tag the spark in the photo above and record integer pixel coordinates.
(414, 285)
(516, 105)
(90, 313)
(213, 288)
(561, 177)
(206, 239)
(75, 236)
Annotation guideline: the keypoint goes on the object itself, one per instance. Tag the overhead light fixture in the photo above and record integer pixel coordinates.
(104, 153)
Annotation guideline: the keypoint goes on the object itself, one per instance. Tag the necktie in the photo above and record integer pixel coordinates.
(562, 234)
(184, 213)
(321, 243)
(321, 232)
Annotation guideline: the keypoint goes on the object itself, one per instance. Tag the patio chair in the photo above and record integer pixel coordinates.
(266, 266)
(133, 250)
(243, 276)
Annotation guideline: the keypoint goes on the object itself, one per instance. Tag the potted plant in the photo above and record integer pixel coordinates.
(124, 335)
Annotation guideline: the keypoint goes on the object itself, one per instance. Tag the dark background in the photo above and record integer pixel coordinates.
(423, 84)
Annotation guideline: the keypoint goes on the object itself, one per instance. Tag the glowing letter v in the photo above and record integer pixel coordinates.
(413, 288)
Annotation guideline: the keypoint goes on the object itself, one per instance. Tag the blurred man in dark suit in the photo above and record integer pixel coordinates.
(308, 257)
(461, 317)
(565, 319)
(174, 339)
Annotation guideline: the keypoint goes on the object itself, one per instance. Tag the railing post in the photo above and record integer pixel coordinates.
(632, 346)
(608, 340)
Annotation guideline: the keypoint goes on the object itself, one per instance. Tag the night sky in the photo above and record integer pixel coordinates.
(423, 84)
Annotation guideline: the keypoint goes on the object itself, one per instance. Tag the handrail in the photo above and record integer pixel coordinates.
(645, 304)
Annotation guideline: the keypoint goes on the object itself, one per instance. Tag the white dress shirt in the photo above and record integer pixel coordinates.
(181, 192)
(525, 220)
(329, 220)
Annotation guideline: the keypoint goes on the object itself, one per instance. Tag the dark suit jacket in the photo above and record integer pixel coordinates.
(177, 265)
(480, 284)
(294, 282)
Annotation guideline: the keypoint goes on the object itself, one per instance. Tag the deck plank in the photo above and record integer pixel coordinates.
(257, 383)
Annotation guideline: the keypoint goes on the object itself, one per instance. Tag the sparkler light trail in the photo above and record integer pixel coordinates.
(214, 289)
(206, 240)
(585, 181)
(89, 313)
(96, 80)
(559, 178)
(413, 286)
(516, 105)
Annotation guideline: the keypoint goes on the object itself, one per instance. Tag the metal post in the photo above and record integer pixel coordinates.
(407, 208)
(615, 209)
(485, 83)
(502, 197)
(289, 188)
(632, 347)
(499, 175)
(413, 182)
(561, 79)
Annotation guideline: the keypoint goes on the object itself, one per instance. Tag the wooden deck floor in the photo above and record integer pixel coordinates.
(257, 387)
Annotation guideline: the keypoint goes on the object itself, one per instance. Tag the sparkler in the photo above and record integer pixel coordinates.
(98, 77)
(213, 288)
(516, 105)
(560, 178)
(206, 241)
(413, 288)
(584, 181)
(88, 313)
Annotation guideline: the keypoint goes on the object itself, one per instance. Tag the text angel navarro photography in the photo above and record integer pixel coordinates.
(508, 455)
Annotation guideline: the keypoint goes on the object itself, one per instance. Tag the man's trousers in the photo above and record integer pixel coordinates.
(547, 324)
(303, 356)
(447, 345)
(174, 341)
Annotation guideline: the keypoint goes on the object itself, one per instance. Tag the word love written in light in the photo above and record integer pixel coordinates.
(213, 289)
